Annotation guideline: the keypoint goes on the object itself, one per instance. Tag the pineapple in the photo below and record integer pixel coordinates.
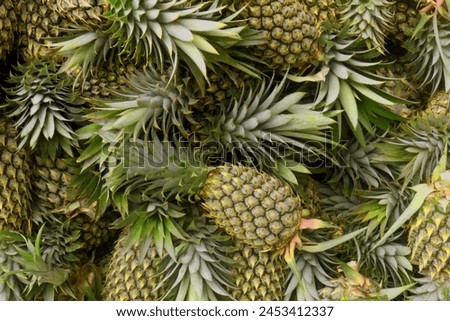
(252, 206)
(83, 12)
(326, 11)
(131, 274)
(258, 277)
(429, 233)
(371, 19)
(36, 23)
(8, 24)
(289, 30)
(406, 18)
(50, 182)
(15, 187)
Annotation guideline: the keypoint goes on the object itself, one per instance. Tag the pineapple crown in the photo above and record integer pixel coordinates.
(169, 170)
(429, 50)
(369, 19)
(156, 31)
(263, 126)
(151, 101)
(44, 106)
(349, 85)
(202, 270)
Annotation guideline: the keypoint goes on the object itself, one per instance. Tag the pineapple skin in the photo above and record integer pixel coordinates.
(50, 182)
(15, 184)
(8, 23)
(130, 279)
(252, 206)
(290, 30)
(429, 234)
(261, 277)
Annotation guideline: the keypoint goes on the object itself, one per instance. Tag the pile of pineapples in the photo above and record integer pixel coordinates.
(225, 150)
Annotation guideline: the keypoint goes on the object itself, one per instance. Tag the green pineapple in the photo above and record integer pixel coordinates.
(429, 50)
(429, 234)
(252, 206)
(50, 182)
(258, 277)
(406, 18)
(289, 30)
(131, 274)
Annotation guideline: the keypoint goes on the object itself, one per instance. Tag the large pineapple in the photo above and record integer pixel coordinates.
(429, 234)
(289, 30)
(406, 18)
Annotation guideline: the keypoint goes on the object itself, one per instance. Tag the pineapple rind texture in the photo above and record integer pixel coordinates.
(130, 277)
(252, 206)
(15, 181)
(429, 236)
(290, 32)
(260, 277)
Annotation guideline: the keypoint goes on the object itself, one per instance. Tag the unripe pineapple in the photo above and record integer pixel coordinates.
(252, 206)
(15, 185)
(130, 277)
(81, 12)
(429, 234)
(50, 182)
(290, 32)
(93, 232)
(8, 24)
(406, 17)
(324, 10)
(260, 277)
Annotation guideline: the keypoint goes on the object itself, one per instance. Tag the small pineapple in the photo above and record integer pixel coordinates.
(429, 234)
(41, 101)
(258, 276)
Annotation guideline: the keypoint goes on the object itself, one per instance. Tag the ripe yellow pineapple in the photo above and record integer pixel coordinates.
(258, 276)
(429, 234)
